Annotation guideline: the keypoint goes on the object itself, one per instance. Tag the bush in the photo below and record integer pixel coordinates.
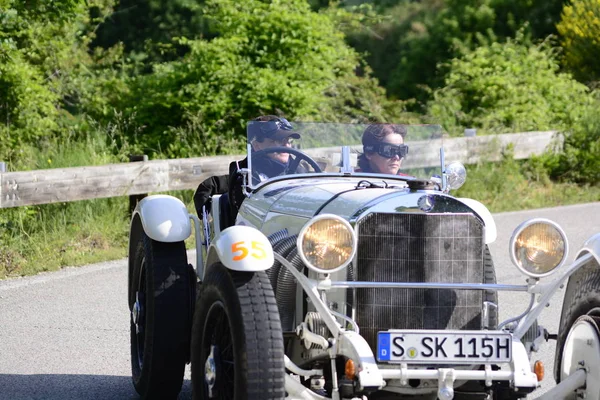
(579, 29)
(509, 87)
(28, 105)
(266, 58)
(43, 47)
(415, 38)
(579, 160)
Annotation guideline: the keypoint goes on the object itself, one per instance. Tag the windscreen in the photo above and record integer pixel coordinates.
(279, 148)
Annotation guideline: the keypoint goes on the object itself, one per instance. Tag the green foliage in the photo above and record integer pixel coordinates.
(410, 49)
(579, 29)
(510, 87)
(146, 28)
(539, 16)
(526, 181)
(27, 103)
(407, 48)
(42, 47)
(47, 237)
(266, 57)
(579, 160)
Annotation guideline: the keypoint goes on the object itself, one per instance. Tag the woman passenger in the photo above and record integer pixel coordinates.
(383, 149)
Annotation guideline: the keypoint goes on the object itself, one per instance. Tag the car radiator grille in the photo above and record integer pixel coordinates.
(418, 248)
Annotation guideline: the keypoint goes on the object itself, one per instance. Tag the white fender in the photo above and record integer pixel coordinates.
(592, 246)
(486, 215)
(241, 248)
(164, 218)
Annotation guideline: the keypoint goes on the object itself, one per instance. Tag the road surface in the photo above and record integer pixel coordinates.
(65, 335)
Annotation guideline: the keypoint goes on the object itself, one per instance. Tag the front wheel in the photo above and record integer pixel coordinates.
(580, 318)
(237, 343)
(160, 303)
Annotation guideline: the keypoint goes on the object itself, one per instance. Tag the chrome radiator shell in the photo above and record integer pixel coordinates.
(417, 247)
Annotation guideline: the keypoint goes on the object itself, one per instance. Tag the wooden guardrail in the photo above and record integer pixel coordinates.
(83, 183)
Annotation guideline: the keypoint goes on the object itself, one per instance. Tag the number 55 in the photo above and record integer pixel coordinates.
(257, 248)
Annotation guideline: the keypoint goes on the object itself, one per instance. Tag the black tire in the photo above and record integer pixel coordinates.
(160, 299)
(237, 322)
(489, 276)
(582, 297)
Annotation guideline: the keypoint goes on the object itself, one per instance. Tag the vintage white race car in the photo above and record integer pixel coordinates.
(336, 283)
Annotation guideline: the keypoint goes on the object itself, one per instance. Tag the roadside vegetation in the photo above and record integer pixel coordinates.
(91, 82)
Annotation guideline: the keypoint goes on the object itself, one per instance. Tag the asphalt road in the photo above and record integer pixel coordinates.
(65, 335)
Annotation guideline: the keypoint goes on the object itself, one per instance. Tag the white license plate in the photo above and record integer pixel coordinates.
(444, 347)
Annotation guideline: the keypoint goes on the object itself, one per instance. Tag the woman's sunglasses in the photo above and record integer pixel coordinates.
(387, 150)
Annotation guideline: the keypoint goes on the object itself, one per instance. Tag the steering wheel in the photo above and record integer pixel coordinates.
(294, 163)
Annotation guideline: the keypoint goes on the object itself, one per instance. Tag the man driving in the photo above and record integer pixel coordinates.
(263, 135)
(264, 132)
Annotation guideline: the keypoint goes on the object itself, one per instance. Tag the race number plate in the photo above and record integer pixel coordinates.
(444, 347)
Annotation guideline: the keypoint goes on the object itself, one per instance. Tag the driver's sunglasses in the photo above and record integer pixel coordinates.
(387, 150)
(283, 142)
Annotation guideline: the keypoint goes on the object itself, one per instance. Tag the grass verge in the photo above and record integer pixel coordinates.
(49, 237)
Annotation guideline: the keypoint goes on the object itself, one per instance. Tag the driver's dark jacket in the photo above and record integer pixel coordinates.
(232, 183)
(218, 185)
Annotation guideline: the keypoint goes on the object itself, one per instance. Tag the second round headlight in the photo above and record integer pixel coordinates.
(538, 247)
(327, 243)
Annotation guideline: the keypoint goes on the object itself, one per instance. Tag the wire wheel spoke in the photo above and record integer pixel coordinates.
(218, 338)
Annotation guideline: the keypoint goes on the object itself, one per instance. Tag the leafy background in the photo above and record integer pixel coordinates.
(86, 82)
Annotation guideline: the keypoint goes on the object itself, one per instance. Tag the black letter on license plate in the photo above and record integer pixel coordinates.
(397, 343)
(440, 347)
(427, 346)
(500, 347)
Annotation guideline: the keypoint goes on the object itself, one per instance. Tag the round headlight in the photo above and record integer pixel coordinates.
(538, 247)
(327, 243)
(456, 175)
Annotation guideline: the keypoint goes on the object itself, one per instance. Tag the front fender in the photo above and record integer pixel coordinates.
(486, 215)
(241, 248)
(592, 246)
(164, 218)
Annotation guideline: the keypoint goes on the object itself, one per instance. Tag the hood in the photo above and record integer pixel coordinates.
(301, 199)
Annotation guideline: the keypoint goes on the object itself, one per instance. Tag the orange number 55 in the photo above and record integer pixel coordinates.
(255, 250)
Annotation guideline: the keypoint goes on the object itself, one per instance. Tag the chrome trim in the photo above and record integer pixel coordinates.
(200, 242)
(313, 175)
(518, 317)
(521, 228)
(346, 164)
(445, 187)
(575, 381)
(434, 373)
(325, 285)
(310, 288)
(307, 226)
(547, 290)
(347, 343)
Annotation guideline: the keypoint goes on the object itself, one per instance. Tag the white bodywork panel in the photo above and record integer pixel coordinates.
(241, 248)
(484, 213)
(592, 246)
(164, 218)
(581, 350)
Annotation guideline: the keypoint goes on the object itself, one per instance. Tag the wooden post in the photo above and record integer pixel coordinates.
(134, 199)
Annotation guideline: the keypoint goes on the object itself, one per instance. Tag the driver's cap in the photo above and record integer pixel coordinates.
(278, 128)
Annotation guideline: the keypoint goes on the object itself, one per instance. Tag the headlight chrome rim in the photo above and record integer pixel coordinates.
(308, 225)
(456, 175)
(519, 230)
